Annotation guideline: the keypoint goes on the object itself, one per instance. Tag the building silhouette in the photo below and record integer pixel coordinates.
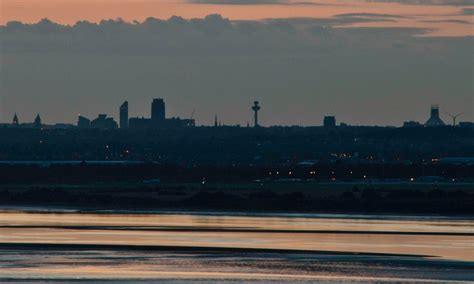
(256, 108)
(158, 112)
(15, 121)
(466, 124)
(434, 119)
(139, 123)
(124, 115)
(412, 123)
(83, 122)
(158, 119)
(37, 123)
(104, 122)
(329, 121)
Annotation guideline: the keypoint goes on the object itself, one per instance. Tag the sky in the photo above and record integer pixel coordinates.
(366, 62)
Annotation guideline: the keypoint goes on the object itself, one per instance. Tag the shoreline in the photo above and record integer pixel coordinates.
(248, 198)
(41, 209)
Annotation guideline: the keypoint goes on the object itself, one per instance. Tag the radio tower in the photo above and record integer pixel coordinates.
(256, 108)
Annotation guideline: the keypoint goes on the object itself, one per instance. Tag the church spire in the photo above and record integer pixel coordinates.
(37, 122)
(15, 121)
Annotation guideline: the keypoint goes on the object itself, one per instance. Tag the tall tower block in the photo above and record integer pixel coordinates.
(256, 107)
(158, 111)
(124, 115)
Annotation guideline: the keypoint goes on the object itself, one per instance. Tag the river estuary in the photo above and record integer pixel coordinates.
(208, 247)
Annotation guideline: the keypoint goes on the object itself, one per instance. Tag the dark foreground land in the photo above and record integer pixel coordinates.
(239, 145)
(296, 169)
(274, 196)
(428, 188)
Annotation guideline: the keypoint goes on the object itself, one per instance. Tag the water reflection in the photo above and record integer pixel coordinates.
(450, 239)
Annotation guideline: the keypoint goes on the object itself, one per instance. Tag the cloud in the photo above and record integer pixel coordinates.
(429, 2)
(239, 2)
(452, 21)
(351, 18)
(300, 69)
(371, 15)
(260, 2)
(192, 36)
(468, 11)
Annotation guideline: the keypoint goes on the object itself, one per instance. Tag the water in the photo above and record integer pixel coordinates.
(224, 247)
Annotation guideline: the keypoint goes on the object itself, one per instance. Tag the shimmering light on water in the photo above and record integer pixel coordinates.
(443, 244)
(420, 237)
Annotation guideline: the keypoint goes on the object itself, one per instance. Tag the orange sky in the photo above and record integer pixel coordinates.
(70, 11)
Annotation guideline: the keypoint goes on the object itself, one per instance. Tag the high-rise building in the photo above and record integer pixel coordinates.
(158, 112)
(124, 115)
(329, 121)
(434, 119)
(158, 119)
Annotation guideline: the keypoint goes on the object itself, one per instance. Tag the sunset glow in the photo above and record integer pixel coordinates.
(441, 19)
